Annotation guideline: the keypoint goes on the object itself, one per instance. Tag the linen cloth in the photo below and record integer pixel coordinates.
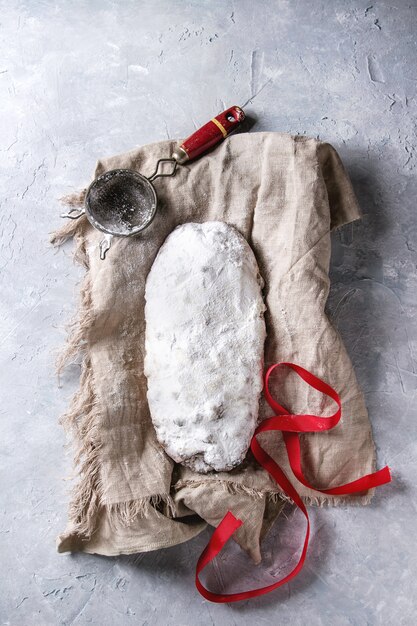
(284, 193)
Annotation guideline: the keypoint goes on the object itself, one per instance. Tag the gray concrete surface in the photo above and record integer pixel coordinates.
(85, 79)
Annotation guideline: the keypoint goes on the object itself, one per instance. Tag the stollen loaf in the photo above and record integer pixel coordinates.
(205, 334)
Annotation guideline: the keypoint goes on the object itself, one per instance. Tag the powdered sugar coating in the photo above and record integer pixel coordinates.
(205, 334)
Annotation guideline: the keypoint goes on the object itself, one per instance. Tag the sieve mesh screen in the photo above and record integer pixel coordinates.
(121, 202)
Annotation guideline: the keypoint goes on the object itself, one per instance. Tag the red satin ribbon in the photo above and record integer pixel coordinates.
(290, 425)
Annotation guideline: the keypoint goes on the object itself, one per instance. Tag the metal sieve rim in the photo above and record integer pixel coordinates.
(131, 174)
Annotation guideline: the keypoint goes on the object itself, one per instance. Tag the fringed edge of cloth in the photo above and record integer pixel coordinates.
(80, 421)
(236, 488)
(125, 513)
(229, 486)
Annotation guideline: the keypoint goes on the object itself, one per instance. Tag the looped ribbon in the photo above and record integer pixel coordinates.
(290, 425)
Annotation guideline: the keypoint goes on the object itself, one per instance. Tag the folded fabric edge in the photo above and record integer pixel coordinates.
(343, 203)
(70, 541)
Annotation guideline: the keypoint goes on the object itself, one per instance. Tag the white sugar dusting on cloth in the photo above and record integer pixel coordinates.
(205, 334)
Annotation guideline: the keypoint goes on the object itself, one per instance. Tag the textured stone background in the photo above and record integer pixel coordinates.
(85, 79)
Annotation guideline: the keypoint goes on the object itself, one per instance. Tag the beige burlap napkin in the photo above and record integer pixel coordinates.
(284, 193)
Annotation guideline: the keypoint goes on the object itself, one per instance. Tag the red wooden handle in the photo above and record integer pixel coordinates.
(210, 134)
